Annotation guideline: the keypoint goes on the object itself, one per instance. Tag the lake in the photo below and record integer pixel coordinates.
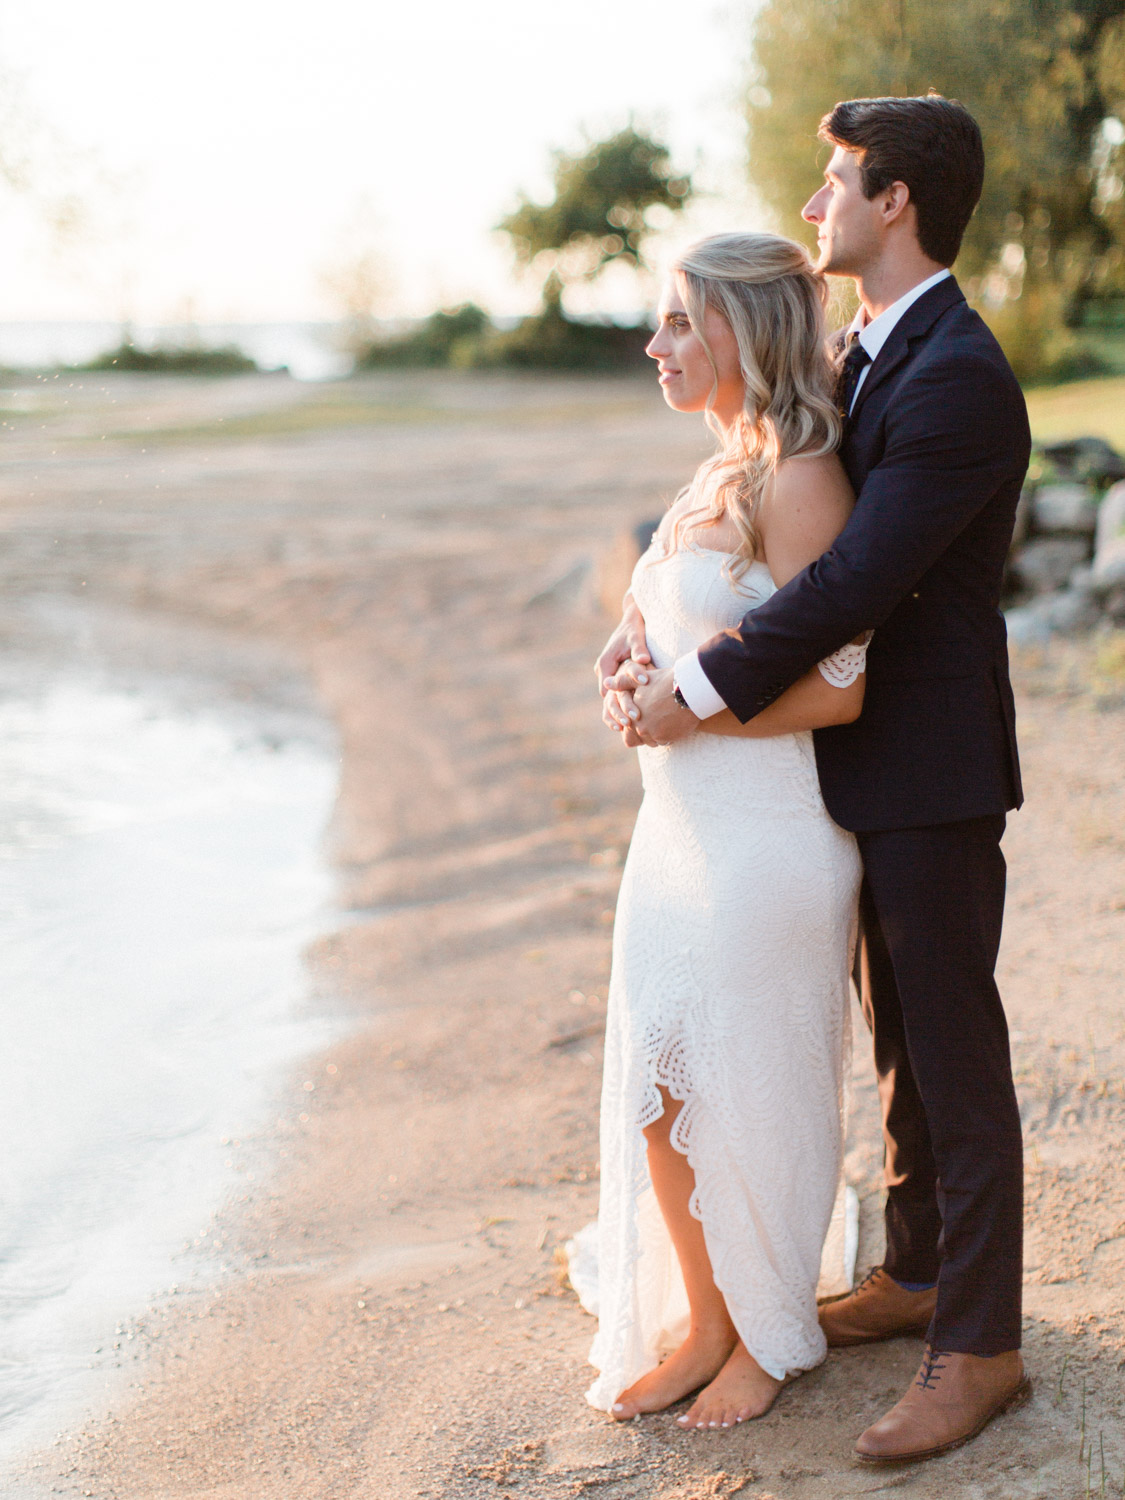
(160, 877)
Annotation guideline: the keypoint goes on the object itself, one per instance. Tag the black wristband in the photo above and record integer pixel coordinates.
(679, 697)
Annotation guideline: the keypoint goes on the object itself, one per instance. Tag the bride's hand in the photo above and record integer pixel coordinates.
(627, 641)
(619, 711)
(630, 675)
(619, 706)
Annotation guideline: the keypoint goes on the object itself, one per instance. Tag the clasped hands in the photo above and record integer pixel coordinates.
(637, 697)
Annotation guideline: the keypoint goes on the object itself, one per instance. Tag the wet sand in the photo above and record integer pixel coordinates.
(396, 1322)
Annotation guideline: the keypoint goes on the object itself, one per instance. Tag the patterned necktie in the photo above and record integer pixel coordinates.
(855, 362)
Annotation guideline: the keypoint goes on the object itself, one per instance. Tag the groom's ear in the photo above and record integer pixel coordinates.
(894, 202)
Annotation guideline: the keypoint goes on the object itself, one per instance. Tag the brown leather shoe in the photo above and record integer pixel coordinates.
(952, 1398)
(877, 1309)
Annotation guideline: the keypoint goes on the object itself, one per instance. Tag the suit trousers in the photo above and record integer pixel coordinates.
(931, 910)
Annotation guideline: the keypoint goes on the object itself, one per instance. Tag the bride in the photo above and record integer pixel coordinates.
(721, 1129)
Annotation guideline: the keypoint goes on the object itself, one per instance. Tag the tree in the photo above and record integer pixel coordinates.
(601, 213)
(1046, 81)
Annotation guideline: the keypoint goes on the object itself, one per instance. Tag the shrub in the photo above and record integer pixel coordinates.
(441, 341)
(227, 360)
(549, 340)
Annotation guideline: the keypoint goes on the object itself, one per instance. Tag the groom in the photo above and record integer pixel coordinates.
(936, 444)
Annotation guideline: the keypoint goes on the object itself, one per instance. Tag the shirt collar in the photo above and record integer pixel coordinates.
(875, 334)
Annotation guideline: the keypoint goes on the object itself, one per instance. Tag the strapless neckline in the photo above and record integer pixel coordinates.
(712, 552)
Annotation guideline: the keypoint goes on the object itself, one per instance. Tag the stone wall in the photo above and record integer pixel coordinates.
(1066, 569)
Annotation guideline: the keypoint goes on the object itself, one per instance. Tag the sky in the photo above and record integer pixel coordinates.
(230, 155)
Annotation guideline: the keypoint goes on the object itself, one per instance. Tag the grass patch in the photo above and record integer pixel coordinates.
(328, 415)
(310, 416)
(1085, 408)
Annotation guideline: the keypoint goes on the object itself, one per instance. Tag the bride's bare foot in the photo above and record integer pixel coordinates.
(741, 1390)
(698, 1359)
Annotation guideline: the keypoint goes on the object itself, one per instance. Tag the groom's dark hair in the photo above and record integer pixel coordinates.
(932, 144)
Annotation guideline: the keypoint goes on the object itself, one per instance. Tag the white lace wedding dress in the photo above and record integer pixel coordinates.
(731, 956)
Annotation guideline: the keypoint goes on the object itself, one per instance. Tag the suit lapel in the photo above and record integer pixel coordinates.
(915, 322)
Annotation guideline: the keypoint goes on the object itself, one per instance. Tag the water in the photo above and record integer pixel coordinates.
(159, 879)
(310, 351)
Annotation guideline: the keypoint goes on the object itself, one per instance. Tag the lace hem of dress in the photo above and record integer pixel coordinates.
(843, 667)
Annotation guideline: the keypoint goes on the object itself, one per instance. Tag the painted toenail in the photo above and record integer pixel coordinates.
(619, 1406)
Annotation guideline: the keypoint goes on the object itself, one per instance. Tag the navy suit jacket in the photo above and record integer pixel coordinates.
(936, 448)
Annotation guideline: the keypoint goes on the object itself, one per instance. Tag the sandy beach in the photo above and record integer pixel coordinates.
(423, 551)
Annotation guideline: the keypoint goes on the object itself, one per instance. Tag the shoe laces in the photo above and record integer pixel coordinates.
(867, 1280)
(930, 1373)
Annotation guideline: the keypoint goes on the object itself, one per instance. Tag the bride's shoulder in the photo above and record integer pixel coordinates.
(809, 498)
(814, 483)
(810, 471)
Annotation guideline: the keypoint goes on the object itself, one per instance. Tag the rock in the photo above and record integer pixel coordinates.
(1109, 565)
(1072, 610)
(1089, 458)
(1047, 562)
(1111, 514)
(567, 588)
(1063, 613)
(1065, 507)
(1022, 527)
(1026, 626)
(1109, 553)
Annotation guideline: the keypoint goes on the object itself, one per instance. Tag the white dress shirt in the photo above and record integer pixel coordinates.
(875, 334)
(699, 691)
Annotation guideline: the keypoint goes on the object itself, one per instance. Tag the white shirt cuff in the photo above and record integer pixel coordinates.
(696, 687)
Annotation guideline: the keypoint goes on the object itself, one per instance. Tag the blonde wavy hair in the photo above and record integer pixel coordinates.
(774, 301)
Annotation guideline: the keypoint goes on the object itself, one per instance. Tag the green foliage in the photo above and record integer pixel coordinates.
(605, 204)
(552, 341)
(1032, 330)
(227, 360)
(447, 337)
(602, 209)
(607, 200)
(1046, 81)
(464, 338)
